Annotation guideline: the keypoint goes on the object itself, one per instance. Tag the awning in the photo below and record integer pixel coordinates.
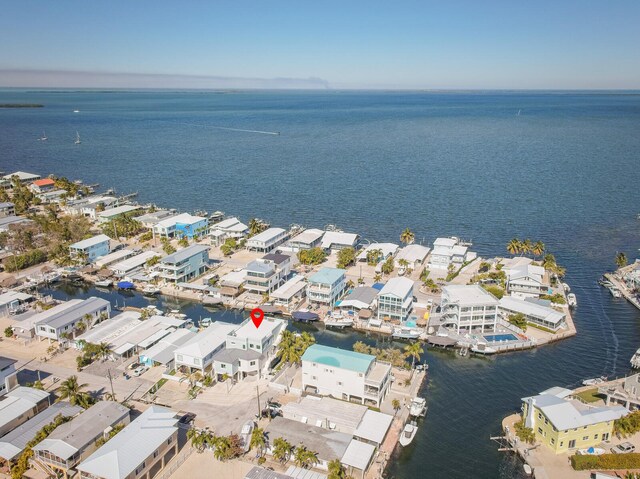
(443, 341)
(126, 285)
(365, 313)
(305, 316)
(126, 347)
(269, 309)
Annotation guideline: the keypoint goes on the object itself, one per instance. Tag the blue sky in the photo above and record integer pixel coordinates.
(349, 44)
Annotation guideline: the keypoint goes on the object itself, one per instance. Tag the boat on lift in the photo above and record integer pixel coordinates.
(418, 407)
(594, 381)
(571, 300)
(337, 320)
(406, 333)
(103, 283)
(615, 292)
(150, 290)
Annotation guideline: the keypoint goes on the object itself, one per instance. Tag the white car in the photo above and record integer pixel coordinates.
(139, 370)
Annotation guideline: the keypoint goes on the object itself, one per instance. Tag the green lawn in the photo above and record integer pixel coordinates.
(590, 395)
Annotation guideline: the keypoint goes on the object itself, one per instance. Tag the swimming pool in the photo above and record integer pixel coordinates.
(494, 338)
(410, 323)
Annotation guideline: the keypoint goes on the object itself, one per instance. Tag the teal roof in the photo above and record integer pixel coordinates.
(339, 358)
(327, 276)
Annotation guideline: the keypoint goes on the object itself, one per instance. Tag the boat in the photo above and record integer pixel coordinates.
(43, 137)
(150, 290)
(205, 322)
(566, 287)
(177, 314)
(337, 320)
(401, 271)
(406, 333)
(245, 434)
(571, 300)
(527, 469)
(104, 283)
(615, 292)
(592, 451)
(605, 282)
(76, 111)
(77, 142)
(635, 360)
(418, 407)
(408, 433)
(52, 277)
(594, 381)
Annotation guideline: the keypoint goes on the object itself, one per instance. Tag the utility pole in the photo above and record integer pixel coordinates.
(258, 398)
(113, 394)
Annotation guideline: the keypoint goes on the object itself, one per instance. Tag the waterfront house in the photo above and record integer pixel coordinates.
(7, 375)
(149, 220)
(162, 353)
(290, 293)
(13, 302)
(140, 450)
(625, 391)
(266, 274)
(89, 206)
(249, 350)
(337, 240)
(20, 405)
(309, 238)
(185, 264)
(362, 297)
(468, 308)
(385, 250)
(113, 213)
(449, 251)
(345, 375)
(90, 249)
(183, 225)
(7, 209)
(326, 286)
(414, 254)
(231, 284)
(197, 354)
(42, 186)
(63, 318)
(133, 264)
(226, 229)
(113, 258)
(73, 441)
(24, 177)
(52, 196)
(13, 443)
(533, 311)
(526, 281)
(268, 240)
(564, 424)
(395, 299)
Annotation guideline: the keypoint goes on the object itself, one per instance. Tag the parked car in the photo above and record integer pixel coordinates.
(187, 418)
(624, 448)
(139, 370)
(134, 366)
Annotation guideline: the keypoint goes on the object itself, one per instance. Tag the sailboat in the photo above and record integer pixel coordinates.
(44, 136)
(77, 142)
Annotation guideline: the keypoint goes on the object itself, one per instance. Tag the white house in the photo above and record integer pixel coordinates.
(185, 264)
(526, 281)
(91, 248)
(414, 254)
(533, 311)
(197, 353)
(249, 350)
(395, 300)
(20, 405)
(63, 318)
(133, 263)
(7, 375)
(182, 225)
(24, 177)
(140, 450)
(337, 240)
(345, 375)
(291, 292)
(90, 206)
(113, 213)
(149, 220)
(225, 229)
(468, 308)
(268, 240)
(326, 286)
(266, 274)
(448, 251)
(309, 238)
(385, 250)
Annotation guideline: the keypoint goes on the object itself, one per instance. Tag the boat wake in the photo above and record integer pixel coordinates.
(215, 127)
(597, 307)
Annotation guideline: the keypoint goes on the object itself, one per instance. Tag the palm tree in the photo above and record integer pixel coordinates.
(287, 351)
(336, 470)
(621, 260)
(71, 390)
(407, 236)
(255, 226)
(513, 246)
(377, 278)
(282, 450)
(195, 377)
(304, 457)
(526, 246)
(414, 350)
(103, 351)
(223, 448)
(538, 248)
(200, 440)
(258, 440)
(396, 405)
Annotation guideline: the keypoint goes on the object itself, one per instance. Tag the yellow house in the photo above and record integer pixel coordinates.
(564, 424)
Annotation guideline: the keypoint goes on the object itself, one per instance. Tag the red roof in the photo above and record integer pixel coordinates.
(44, 182)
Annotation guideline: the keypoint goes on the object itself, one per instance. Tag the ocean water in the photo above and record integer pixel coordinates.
(564, 170)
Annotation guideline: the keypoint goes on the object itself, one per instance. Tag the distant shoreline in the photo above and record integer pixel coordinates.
(21, 105)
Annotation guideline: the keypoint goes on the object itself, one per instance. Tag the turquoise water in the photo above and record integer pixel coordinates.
(564, 171)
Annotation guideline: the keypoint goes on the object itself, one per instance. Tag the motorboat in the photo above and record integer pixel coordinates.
(571, 300)
(605, 282)
(406, 333)
(418, 407)
(150, 290)
(43, 137)
(245, 434)
(527, 469)
(52, 277)
(78, 141)
(338, 320)
(594, 381)
(566, 287)
(635, 360)
(615, 292)
(205, 322)
(408, 433)
(103, 283)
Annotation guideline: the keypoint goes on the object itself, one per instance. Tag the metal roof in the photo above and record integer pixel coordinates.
(206, 341)
(327, 276)
(374, 426)
(399, 287)
(118, 210)
(358, 455)
(360, 297)
(339, 358)
(469, 294)
(5, 362)
(413, 253)
(184, 254)
(95, 240)
(130, 447)
(134, 261)
(308, 236)
(267, 235)
(18, 402)
(162, 352)
(332, 238)
(529, 308)
(70, 311)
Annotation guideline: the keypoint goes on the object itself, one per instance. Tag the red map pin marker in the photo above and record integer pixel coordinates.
(257, 315)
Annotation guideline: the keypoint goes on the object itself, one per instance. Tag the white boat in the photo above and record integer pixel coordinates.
(150, 290)
(205, 322)
(615, 292)
(44, 136)
(245, 434)
(52, 277)
(594, 381)
(77, 142)
(406, 333)
(567, 288)
(418, 407)
(337, 320)
(401, 271)
(76, 111)
(527, 469)
(177, 314)
(105, 283)
(635, 360)
(408, 433)
(571, 300)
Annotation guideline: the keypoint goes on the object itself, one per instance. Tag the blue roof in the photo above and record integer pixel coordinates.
(339, 358)
(327, 276)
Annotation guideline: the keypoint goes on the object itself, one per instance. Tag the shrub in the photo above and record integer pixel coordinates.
(22, 261)
(497, 291)
(557, 298)
(8, 332)
(606, 462)
(525, 434)
(312, 256)
(627, 425)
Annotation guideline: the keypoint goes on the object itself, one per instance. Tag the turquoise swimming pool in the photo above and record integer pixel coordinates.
(494, 338)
